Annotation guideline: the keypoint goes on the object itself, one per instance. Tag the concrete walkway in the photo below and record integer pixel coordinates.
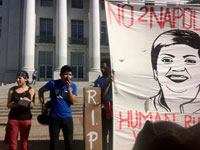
(39, 135)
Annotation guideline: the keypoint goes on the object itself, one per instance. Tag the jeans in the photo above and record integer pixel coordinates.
(107, 130)
(14, 127)
(66, 124)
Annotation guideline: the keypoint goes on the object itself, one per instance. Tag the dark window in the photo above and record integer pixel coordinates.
(104, 33)
(46, 27)
(194, 2)
(105, 56)
(45, 64)
(77, 3)
(1, 2)
(0, 25)
(102, 5)
(77, 64)
(77, 35)
(46, 2)
(46, 30)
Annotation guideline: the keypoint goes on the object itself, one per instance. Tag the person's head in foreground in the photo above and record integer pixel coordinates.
(165, 135)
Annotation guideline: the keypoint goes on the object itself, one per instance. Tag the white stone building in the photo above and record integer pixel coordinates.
(44, 35)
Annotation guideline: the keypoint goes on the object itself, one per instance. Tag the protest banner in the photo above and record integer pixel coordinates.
(155, 59)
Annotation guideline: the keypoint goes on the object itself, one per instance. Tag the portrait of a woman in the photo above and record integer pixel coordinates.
(175, 57)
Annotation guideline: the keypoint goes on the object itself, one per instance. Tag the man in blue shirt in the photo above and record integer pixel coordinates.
(105, 83)
(63, 94)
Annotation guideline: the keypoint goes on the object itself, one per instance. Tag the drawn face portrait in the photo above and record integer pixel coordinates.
(178, 68)
(175, 57)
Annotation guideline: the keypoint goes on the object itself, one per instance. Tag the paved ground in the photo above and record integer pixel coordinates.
(39, 135)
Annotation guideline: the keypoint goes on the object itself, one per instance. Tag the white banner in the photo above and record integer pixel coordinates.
(156, 64)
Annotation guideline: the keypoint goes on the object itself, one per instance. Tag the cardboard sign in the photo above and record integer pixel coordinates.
(92, 119)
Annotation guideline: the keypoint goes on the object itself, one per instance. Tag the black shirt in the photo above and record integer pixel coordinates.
(20, 112)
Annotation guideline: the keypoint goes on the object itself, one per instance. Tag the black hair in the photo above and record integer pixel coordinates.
(105, 61)
(177, 36)
(23, 74)
(65, 68)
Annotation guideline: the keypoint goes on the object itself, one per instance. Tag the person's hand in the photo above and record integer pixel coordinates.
(112, 78)
(68, 83)
(26, 99)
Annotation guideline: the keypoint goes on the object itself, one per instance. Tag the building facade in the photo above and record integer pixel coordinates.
(44, 35)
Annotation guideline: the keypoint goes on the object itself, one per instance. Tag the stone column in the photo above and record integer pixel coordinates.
(28, 45)
(94, 40)
(61, 36)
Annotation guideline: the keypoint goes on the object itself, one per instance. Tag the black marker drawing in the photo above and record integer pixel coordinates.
(175, 57)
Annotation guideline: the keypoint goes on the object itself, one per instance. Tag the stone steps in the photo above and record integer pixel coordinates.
(77, 109)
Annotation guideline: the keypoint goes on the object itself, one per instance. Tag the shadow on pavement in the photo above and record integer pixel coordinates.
(44, 145)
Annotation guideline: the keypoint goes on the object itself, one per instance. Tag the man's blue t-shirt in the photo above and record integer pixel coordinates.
(102, 83)
(60, 105)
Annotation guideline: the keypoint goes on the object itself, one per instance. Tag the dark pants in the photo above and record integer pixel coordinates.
(107, 130)
(66, 125)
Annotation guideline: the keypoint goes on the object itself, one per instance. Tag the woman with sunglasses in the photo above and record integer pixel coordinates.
(20, 101)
